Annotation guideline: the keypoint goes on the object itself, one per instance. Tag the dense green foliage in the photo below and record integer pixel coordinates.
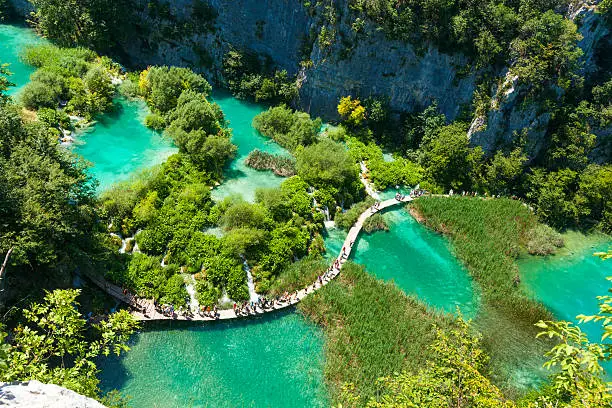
(347, 219)
(56, 345)
(76, 77)
(178, 98)
(170, 208)
(373, 330)
(47, 207)
(287, 128)
(248, 78)
(96, 23)
(384, 174)
(281, 165)
(327, 165)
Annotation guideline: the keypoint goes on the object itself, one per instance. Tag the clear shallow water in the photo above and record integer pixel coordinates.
(119, 144)
(419, 261)
(273, 361)
(240, 179)
(12, 40)
(569, 283)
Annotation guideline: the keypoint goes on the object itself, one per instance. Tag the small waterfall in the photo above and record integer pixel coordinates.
(123, 242)
(194, 305)
(253, 296)
(326, 212)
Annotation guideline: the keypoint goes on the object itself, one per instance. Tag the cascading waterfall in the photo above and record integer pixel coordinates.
(194, 305)
(326, 212)
(123, 242)
(253, 296)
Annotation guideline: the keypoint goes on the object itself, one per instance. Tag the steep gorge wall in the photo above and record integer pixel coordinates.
(282, 30)
(509, 113)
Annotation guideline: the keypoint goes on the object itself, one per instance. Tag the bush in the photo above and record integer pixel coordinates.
(36, 95)
(288, 128)
(174, 292)
(155, 121)
(348, 218)
(543, 240)
(374, 223)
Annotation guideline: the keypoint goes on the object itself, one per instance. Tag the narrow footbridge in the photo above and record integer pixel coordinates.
(144, 309)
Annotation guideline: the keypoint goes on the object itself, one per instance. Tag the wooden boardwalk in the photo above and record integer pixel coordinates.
(144, 309)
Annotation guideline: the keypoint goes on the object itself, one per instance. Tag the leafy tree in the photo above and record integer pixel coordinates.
(5, 83)
(55, 346)
(174, 292)
(503, 172)
(288, 128)
(351, 110)
(162, 86)
(328, 164)
(95, 23)
(551, 193)
(449, 160)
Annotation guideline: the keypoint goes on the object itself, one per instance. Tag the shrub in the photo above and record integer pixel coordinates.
(155, 121)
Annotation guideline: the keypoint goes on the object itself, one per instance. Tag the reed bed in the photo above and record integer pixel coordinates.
(487, 236)
(373, 329)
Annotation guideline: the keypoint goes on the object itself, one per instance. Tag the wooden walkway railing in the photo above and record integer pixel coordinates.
(144, 309)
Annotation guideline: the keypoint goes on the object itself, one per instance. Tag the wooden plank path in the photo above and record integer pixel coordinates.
(144, 309)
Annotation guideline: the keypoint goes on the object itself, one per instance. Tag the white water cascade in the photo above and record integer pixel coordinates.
(194, 305)
(253, 296)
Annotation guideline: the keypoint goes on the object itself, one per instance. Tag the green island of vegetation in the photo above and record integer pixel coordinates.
(160, 236)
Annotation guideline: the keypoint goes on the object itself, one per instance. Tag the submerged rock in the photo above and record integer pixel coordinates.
(34, 394)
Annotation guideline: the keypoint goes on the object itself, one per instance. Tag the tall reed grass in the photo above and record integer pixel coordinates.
(373, 329)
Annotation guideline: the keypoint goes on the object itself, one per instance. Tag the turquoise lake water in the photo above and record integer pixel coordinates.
(119, 144)
(569, 283)
(419, 261)
(240, 179)
(12, 40)
(278, 360)
(272, 361)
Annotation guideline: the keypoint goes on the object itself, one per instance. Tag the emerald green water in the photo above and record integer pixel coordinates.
(419, 261)
(240, 179)
(272, 361)
(119, 144)
(569, 283)
(12, 40)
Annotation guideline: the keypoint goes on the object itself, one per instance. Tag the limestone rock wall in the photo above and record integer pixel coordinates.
(509, 114)
(34, 394)
(282, 30)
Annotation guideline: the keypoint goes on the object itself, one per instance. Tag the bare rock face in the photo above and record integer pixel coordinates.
(34, 394)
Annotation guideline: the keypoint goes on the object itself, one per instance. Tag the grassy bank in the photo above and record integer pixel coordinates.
(373, 329)
(488, 236)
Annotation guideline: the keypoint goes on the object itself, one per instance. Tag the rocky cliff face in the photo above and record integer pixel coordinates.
(34, 394)
(509, 115)
(285, 32)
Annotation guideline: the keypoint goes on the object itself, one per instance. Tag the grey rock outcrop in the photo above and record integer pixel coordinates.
(34, 394)
(281, 29)
(509, 115)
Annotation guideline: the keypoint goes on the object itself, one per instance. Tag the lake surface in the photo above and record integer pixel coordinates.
(271, 361)
(568, 283)
(119, 144)
(240, 179)
(419, 261)
(13, 39)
